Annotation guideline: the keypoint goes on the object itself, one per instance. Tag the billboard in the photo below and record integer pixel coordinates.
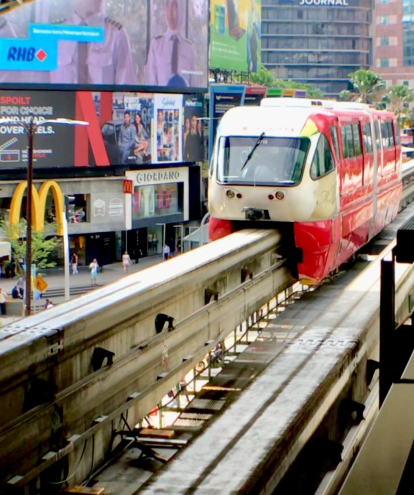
(235, 35)
(124, 128)
(106, 44)
(222, 98)
(53, 144)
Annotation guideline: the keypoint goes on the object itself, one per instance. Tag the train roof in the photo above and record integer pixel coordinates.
(251, 120)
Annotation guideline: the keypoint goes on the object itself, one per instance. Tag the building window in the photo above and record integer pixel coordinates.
(384, 1)
(157, 200)
(384, 19)
(384, 62)
(385, 41)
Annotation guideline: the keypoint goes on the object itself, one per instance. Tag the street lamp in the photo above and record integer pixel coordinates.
(30, 127)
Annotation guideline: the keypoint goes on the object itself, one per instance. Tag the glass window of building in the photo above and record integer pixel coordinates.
(384, 1)
(385, 41)
(384, 19)
(384, 62)
(157, 200)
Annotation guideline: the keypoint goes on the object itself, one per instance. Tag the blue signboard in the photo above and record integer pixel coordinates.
(222, 98)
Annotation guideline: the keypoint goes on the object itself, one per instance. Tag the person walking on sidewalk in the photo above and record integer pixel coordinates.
(3, 302)
(93, 267)
(126, 261)
(74, 262)
(167, 251)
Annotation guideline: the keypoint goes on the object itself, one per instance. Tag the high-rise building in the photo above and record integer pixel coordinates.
(394, 41)
(317, 41)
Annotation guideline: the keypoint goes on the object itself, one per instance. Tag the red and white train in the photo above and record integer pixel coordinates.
(328, 172)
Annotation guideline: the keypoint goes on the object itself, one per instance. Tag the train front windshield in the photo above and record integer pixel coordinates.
(261, 160)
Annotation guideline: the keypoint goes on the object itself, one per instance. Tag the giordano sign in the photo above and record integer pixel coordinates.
(38, 205)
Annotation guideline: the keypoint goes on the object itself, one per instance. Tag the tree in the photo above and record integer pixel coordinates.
(367, 83)
(42, 244)
(346, 95)
(398, 99)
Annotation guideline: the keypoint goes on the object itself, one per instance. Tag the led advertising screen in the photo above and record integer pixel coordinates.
(106, 44)
(235, 35)
(123, 128)
(53, 143)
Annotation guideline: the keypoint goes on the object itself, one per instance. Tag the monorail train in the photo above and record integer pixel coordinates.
(329, 172)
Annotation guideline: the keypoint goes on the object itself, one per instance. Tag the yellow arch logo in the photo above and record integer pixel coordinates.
(38, 205)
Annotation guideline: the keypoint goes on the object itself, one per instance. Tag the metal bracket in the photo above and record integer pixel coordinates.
(210, 294)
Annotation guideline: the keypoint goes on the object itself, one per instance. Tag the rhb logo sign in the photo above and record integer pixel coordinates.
(26, 54)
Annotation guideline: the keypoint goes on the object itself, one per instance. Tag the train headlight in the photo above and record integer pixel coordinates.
(230, 194)
(280, 195)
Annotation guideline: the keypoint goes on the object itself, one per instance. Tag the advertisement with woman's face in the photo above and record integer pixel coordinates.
(96, 44)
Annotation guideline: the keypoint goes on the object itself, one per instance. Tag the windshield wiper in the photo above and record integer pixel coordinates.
(256, 144)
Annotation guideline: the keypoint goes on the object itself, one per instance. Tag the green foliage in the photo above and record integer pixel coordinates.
(346, 95)
(42, 244)
(367, 83)
(264, 77)
(397, 101)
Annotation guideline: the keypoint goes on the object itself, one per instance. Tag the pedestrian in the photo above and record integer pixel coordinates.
(16, 293)
(167, 251)
(93, 267)
(74, 261)
(48, 304)
(126, 261)
(138, 254)
(2, 302)
(20, 285)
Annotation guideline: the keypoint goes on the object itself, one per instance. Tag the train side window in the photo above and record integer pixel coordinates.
(367, 138)
(323, 161)
(397, 133)
(377, 135)
(344, 146)
(390, 134)
(334, 137)
(385, 137)
(357, 139)
(350, 141)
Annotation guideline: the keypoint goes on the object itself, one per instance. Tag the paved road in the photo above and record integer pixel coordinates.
(78, 283)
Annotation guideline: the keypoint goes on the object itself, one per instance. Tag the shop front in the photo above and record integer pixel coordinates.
(158, 204)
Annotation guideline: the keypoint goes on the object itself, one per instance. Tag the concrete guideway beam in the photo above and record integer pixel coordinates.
(25, 438)
(251, 447)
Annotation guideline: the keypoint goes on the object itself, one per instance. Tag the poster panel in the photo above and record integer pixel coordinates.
(193, 132)
(235, 35)
(53, 143)
(127, 137)
(254, 95)
(104, 44)
(167, 138)
(222, 98)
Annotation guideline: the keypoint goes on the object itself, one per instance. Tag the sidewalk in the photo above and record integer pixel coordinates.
(55, 279)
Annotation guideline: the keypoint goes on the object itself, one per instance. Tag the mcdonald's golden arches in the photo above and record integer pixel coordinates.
(38, 205)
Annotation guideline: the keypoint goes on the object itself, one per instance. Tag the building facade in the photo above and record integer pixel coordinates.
(394, 41)
(317, 42)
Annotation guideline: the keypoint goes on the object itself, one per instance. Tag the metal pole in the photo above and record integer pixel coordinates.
(387, 326)
(66, 255)
(30, 132)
